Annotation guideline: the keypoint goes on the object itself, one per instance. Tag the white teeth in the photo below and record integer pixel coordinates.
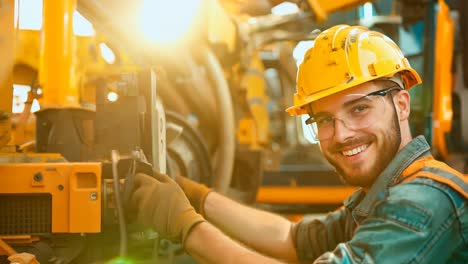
(354, 151)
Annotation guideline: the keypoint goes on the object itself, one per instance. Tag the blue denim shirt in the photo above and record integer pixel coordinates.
(420, 221)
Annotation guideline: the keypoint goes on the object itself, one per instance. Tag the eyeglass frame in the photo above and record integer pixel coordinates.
(383, 92)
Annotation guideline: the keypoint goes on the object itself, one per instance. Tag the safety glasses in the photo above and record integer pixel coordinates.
(359, 111)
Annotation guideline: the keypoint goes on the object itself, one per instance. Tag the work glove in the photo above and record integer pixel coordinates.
(160, 203)
(196, 193)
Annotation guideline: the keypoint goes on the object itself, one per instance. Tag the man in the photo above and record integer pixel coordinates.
(410, 209)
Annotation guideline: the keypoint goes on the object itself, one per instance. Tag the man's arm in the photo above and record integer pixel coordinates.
(265, 232)
(221, 248)
(159, 202)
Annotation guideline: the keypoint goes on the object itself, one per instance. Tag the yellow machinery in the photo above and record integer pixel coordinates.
(6, 70)
(443, 80)
(199, 107)
(71, 189)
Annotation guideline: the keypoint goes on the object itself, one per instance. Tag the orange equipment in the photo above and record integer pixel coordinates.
(6, 69)
(50, 198)
(443, 80)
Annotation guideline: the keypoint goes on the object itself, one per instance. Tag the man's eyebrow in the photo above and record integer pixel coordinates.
(350, 102)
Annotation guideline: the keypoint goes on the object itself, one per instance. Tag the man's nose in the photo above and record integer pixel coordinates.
(342, 130)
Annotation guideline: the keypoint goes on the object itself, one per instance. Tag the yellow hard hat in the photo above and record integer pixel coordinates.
(345, 56)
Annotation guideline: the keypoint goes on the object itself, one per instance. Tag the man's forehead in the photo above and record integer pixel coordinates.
(338, 99)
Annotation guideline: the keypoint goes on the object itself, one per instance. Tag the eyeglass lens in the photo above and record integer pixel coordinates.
(359, 111)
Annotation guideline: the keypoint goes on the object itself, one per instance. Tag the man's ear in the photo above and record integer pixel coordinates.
(402, 104)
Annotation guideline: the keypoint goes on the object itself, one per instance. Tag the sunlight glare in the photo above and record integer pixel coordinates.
(107, 53)
(285, 8)
(112, 96)
(167, 21)
(82, 26)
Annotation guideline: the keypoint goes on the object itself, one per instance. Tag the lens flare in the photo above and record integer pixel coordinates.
(167, 21)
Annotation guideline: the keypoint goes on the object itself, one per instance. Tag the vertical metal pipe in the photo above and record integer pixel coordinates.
(7, 55)
(57, 56)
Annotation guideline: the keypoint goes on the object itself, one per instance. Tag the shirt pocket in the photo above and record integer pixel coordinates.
(405, 213)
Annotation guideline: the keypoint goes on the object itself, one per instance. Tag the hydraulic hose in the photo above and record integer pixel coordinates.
(226, 135)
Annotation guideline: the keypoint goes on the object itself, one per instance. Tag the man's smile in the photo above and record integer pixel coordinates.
(355, 150)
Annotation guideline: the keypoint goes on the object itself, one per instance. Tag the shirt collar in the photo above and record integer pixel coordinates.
(362, 203)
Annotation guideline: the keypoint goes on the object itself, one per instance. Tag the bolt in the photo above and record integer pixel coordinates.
(93, 196)
(60, 187)
(38, 177)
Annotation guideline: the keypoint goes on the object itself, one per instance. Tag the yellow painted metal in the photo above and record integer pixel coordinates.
(221, 28)
(75, 189)
(314, 195)
(7, 48)
(443, 80)
(254, 129)
(57, 56)
(322, 8)
(88, 57)
(246, 133)
(27, 48)
(89, 63)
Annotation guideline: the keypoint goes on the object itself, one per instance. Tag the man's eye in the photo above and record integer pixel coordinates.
(359, 109)
(323, 121)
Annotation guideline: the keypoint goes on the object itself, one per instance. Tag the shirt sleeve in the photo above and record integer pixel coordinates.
(313, 237)
(415, 224)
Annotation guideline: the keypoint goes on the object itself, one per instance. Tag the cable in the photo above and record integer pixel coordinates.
(118, 204)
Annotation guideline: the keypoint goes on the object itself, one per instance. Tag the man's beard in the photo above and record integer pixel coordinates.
(391, 144)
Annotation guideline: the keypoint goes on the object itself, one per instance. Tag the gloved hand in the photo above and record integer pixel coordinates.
(161, 204)
(196, 193)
